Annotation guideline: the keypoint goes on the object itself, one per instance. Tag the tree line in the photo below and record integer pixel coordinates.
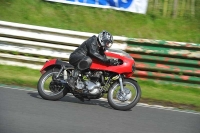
(174, 8)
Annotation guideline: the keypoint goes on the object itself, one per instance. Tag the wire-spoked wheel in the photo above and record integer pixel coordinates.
(50, 89)
(126, 100)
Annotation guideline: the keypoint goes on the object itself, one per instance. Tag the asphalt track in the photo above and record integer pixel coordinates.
(23, 111)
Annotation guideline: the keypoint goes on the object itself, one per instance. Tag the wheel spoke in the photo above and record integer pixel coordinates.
(49, 87)
(129, 96)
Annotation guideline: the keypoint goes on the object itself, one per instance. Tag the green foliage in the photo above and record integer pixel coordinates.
(153, 25)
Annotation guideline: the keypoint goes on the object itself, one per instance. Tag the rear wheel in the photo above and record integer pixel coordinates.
(128, 99)
(50, 89)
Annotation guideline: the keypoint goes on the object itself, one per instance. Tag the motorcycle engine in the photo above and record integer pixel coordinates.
(92, 85)
(88, 87)
(93, 88)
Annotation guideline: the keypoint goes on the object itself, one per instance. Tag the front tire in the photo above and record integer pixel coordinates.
(49, 90)
(133, 94)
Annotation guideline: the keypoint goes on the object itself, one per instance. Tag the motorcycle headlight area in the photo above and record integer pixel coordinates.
(133, 67)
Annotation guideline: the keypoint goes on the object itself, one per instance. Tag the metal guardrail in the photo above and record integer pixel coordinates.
(166, 60)
(31, 46)
(27, 45)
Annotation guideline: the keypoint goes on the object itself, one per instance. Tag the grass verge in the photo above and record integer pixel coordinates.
(89, 19)
(184, 97)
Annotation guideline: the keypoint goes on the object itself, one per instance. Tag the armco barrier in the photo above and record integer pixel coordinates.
(25, 45)
(166, 60)
(31, 46)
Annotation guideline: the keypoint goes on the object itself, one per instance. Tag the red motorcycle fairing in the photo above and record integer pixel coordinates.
(54, 62)
(125, 68)
(47, 64)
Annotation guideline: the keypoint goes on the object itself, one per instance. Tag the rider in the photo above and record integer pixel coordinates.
(93, 47)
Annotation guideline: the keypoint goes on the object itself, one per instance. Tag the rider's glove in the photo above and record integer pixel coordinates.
(113, 62)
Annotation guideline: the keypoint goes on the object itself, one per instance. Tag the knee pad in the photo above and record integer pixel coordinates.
(85, 63)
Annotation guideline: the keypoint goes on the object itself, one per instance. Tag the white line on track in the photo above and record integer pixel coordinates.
(104, 99)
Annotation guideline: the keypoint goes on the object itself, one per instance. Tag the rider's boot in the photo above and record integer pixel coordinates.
(80, 98)
(72, 80)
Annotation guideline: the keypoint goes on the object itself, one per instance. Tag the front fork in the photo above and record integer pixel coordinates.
(121, 83)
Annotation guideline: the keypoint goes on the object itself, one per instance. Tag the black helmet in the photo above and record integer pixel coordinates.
(105, 39)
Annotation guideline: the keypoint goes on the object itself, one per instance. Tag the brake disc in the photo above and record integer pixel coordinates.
(55, 87)
(124, 96)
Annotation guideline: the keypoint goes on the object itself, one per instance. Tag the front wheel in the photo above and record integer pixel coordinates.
(50, 89)
(128, 99)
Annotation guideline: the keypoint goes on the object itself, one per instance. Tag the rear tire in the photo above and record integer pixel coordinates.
(44, 88)
(114, 95)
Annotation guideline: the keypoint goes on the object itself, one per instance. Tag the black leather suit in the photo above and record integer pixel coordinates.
(88, 48)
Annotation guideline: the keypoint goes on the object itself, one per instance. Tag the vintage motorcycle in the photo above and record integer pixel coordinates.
(123, 92)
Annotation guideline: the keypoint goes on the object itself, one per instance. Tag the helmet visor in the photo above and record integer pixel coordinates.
(108, 44)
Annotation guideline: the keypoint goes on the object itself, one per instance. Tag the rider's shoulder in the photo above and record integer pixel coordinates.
(94, 37)
(92, 40)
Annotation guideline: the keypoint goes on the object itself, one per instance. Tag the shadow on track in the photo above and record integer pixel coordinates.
(72, 99)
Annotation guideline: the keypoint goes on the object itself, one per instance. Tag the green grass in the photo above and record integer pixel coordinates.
(173, 94)
(89, 19)
(22, 76)
(185, 97)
